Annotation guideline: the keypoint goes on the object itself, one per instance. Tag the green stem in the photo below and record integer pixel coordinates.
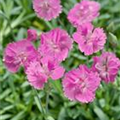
(40, 103)
(47, 102)
(48, 90)
(47, 96)
(87, 61)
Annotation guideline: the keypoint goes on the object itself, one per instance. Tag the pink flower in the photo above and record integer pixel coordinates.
(56, 44)
(83, 12)
(32, 35)
(52, 68)
(107, 65)
(39, 71)
(17, 54)
(80, 84)
(47, 9)
(35, 75)
(89, 39)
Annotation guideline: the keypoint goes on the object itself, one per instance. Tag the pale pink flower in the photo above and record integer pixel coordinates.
(39, 71)
(89, 39)
(83, 12)
(31, 35)
(18, 54)
(35, 75)
(107, 65)
(80, 84)
(52, 68)
(47, 9)
(56, 44)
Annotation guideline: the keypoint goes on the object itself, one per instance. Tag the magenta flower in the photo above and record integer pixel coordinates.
(80, 84)
(35, 75)
(56, 44)
(52, 68)
(90, 40)
(83, 12)
(47, 9)
(17, 54)
(39, 72)
(32, 35)
(107, 65)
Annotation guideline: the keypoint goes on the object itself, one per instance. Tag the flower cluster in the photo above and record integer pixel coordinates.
(89, 39)
(40, 70)
(40, 63)
(44, 62)
(80, 84)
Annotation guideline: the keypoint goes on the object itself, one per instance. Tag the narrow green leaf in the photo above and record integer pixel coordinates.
(5, 116)
(62, 114)
(113, 39)
(5, 94)
(100, 114)
(111, 27)
(19, 116)
(38, 104)
(50, 118)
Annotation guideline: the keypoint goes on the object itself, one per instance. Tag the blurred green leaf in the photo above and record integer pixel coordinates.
(113, 39)
(100, 113)
(50, 118)
(111, 27)
(5, 116)
(62, 114)
(19, 116)
(5, 93)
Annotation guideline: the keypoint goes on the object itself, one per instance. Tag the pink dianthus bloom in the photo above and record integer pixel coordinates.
(107, 65)
(47, 9)
(89, 39)
(80, 84)
(31, 35)
(18, 54)
(56, 44)
(35, 75)
(83, 12)
(39, 71)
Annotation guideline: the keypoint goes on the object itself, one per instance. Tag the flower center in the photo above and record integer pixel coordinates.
(45, 5)
(81, 85)
(20, 58)
(88, 38)
(53, 47)
(45, 70)
(104, 65)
